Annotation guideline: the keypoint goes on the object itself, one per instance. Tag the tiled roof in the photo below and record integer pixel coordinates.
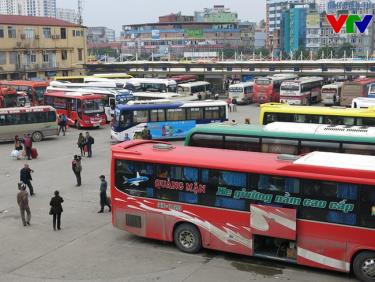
(40, 21)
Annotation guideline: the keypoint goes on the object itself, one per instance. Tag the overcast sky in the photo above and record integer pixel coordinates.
(115, 13)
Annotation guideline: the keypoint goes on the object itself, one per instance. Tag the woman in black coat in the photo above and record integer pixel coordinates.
(56, 209)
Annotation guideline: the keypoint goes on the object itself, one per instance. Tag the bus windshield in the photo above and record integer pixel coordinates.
(93, 106)
(236, 89)
(39, 92)
(290, 87)
(262, 81)
(372, 88)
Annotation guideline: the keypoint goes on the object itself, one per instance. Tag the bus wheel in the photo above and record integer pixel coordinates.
(187, 238)
(364, 266)
(37, 136)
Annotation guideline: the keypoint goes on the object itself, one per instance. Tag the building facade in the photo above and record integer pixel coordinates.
(40, 47)
(35, 8)
(293, 28)
(211, 31)
(68, 15)
(319, 32)
(100, 34)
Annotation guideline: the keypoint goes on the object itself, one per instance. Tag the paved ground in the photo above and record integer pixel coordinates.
(88, 248)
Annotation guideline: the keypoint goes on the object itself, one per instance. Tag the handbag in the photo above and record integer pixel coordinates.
(50, 211)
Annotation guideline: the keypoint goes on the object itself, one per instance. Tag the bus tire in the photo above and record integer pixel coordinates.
(364, 266)
(187, 238)
(37, 136)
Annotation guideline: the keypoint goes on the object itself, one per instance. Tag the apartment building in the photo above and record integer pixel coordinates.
(40, 47)
(36, 8)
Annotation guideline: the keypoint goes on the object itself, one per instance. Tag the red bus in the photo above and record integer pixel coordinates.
(184, 78)
(354, 89)
(82, 110)
(267, 89)
(299, 209)
(34, 89)
(10, 98)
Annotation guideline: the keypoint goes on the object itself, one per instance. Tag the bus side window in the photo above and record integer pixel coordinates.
(363, 149)
(310, 146)
(279, 184)
(157, 115)
(194, 113)
(367, 207)
(269, 117)
(163, 171)
(206, 140)
(279, 146)
(2, 119)
(250, 144)
(366, 121)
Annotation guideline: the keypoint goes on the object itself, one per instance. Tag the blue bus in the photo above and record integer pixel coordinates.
(165, 120)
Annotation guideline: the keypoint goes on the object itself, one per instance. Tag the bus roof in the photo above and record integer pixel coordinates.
(360, 81)
(334, 85)
(79, 95)
(252, 162)
(24, 82)
(112, 75)
(148, 106)
(194, 83)
(286, 108)
(242, 84)
(26, 109)
(291, 130)
(304, 80)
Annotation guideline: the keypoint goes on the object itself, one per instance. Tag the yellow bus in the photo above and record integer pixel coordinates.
(81, 78)
(272, 112)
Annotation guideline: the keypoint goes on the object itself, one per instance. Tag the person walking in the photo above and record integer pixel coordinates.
(62, 124)
(17, 143)
(23, 203)
(103, 194)
(89, 141)
(25, 177)
(77, 169)
(28, 143)
(56, 210)
(81, 144)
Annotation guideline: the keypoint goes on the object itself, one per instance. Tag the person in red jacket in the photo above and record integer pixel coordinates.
(28, 143)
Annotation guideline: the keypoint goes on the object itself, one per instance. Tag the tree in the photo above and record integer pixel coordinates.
(297, 54)
(345, 50)
(262, 51)
(325, 52)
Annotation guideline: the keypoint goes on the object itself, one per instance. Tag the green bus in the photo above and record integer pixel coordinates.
(285, 138)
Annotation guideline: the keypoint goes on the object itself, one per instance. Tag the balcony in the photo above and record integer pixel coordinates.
(37, 67)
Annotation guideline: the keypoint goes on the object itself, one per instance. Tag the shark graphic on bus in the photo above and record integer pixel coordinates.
(135, 181)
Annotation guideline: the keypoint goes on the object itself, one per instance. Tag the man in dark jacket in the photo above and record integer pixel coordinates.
(89, 140)
(103, 194)
(77, 169)
(25, 177)
(56, 210)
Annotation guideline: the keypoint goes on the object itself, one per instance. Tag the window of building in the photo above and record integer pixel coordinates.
(12, 32)
(63, 33)
(80, 54)
(3, 58)
(28, 32)
(45, 57)
(64, 55)
(47, 32)
(13, 58)
(33, 57)
(1, 32)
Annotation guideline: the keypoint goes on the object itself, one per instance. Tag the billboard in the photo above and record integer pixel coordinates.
(194, 33)
(313, 21)
(155, 34)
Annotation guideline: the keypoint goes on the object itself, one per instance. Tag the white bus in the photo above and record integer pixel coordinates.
(331, 93)
(111, 97)
(241, 93)
(303, 91)
(39, 121)
(199, 89)
(363, 102)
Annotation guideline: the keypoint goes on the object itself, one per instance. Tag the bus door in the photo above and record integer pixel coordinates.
(69, 109)
(274, 232)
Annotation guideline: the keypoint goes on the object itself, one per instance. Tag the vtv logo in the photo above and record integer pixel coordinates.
(350, 20)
